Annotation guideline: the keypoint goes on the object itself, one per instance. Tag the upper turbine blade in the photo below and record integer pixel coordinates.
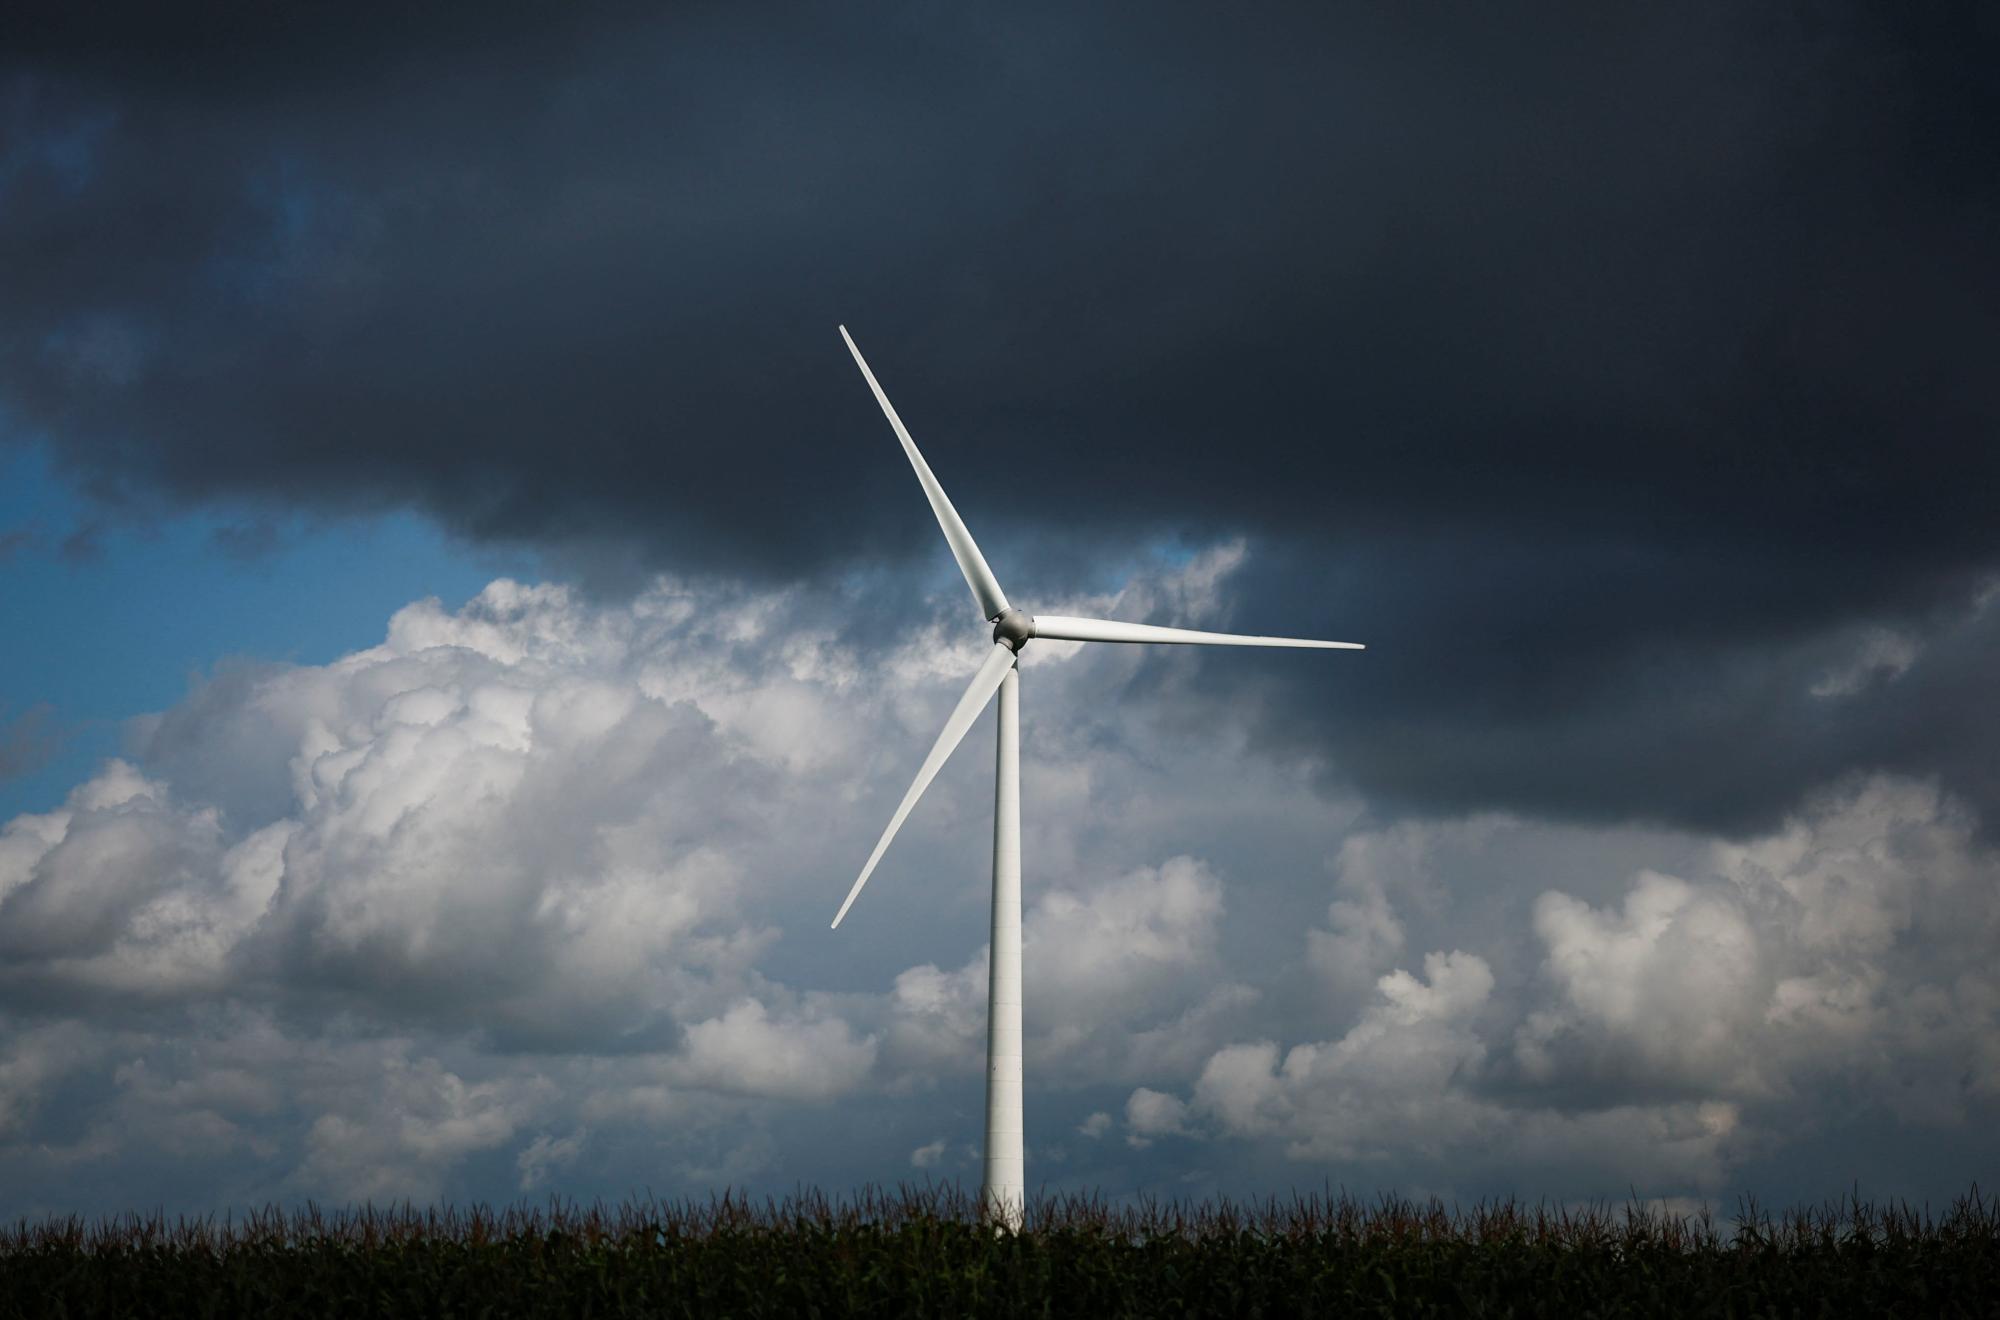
(1109, 630)
(985, 587)
(980, 691)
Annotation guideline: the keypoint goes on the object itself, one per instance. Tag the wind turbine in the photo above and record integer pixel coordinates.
(1003, 1189)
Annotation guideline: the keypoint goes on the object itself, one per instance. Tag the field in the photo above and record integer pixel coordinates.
(923, 1252)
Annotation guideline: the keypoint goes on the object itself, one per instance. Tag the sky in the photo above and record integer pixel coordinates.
(467, 621)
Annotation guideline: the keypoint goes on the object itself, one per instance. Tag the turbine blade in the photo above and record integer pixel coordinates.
(985, 587)
(1067, 629)
(980, 691)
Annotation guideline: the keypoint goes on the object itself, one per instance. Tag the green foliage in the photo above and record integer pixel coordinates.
(925, 1252)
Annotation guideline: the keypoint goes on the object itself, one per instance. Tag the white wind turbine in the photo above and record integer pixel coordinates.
(1003, 1190)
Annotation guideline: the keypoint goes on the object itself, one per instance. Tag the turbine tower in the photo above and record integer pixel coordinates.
(1003, 1190)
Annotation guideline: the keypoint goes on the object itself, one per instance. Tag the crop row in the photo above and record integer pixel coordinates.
(925, 1252)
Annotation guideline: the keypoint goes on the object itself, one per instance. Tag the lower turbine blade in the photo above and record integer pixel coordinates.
(1067, 629)
(980, 691)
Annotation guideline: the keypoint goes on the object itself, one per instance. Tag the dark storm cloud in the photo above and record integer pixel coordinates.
(1604, 370)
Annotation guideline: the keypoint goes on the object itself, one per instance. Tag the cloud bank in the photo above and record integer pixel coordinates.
(1626, 378)
(532, 894)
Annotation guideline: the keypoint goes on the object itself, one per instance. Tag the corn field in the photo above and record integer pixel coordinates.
(923, 1251)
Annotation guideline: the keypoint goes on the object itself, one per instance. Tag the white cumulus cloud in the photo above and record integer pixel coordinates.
(532, 895)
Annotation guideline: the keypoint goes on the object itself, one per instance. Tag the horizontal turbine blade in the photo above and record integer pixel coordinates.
(1067, 629)
(980, 691)
(985, 587)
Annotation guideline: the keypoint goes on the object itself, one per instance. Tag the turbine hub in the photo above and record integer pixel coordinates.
(1014, 628)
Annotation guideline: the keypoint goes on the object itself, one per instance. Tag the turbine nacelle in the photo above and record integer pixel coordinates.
(1013, 628)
